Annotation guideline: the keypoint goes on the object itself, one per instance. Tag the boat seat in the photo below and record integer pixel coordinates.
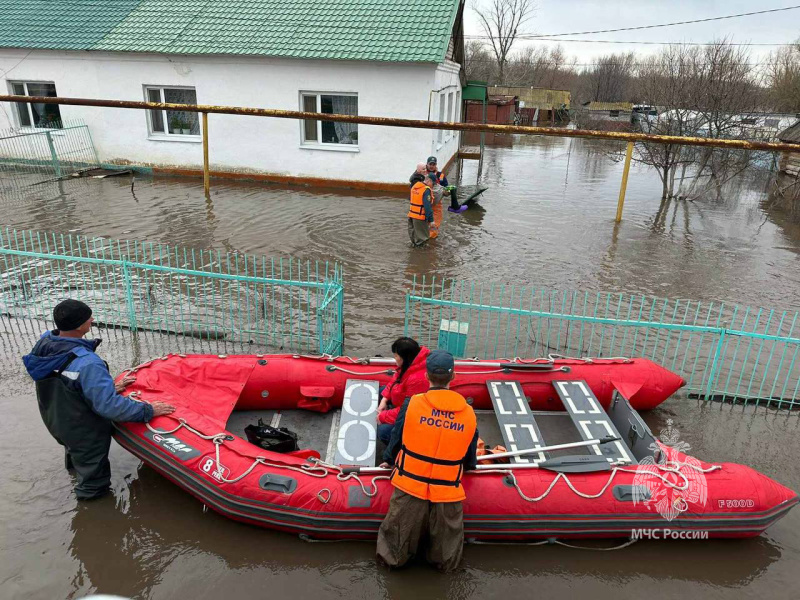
(591, 420)
(517, 424)
(356, 437)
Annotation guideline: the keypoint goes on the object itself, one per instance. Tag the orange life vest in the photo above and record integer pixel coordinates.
(417, 209)
(438, 429)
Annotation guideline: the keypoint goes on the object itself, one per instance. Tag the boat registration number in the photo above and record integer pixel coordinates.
(736, 503)
(217, 471)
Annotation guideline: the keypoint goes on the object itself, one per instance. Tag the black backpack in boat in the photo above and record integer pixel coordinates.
(274, 439)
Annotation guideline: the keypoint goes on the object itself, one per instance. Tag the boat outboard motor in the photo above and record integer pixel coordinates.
(274, 439)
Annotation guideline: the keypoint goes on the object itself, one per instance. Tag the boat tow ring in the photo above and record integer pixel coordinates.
(321, 495)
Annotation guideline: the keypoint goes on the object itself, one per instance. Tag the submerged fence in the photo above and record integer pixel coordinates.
(283, 304)
(724, 351)
(29, 157)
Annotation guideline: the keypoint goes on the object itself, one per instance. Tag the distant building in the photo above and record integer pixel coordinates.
(790, 161)
(389, 58)
(609, 111)
(500, 110)
(604, 116)
(537, 104)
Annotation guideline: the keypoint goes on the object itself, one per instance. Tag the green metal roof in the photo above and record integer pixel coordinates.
(380, 30)
(475, 90)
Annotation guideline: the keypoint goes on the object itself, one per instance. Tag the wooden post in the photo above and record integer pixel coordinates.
(624, 185)
(206, 175)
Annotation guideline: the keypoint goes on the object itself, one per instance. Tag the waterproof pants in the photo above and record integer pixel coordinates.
(85, 435)
(419, 231)
(411, 521)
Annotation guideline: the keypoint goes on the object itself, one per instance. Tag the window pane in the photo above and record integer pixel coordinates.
(450, 112)
(339, 133)
(440, 132)
(22, 109)
(44, 115)
(180, 122)
(156, 116)
(310, 127)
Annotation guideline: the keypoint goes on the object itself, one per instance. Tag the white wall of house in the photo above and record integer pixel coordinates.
(255, 144)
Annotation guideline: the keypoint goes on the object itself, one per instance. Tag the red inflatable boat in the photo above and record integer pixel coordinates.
(590, 469)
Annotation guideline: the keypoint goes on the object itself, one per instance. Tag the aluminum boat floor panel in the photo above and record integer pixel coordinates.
(314, 429)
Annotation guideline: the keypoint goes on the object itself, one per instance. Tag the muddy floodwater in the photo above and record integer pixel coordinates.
(546, 221)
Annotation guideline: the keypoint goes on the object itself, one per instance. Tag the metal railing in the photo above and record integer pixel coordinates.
(724, 351)
(30, 156)
(206, 109)
(280, 303)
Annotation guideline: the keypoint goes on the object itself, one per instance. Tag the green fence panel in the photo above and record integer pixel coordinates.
(724, 351)
(284, 303)
(31, 156)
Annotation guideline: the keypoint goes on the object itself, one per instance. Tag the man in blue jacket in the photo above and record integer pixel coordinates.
(78, 399)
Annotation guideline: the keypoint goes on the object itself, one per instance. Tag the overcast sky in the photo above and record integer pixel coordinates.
(565, 16)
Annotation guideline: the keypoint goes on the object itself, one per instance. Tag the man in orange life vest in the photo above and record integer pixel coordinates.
(420, 212)
(434, 441)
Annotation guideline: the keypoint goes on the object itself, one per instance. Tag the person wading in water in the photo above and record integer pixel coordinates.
(420, 212)
(434, 441)
(78, 399)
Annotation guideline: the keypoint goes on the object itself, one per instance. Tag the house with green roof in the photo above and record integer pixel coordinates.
(387, 58)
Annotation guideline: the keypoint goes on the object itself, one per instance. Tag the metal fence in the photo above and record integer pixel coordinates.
(30, 156)
(724, 351)
(279, 303)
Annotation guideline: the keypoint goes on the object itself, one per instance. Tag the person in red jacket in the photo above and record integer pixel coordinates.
(407, 381)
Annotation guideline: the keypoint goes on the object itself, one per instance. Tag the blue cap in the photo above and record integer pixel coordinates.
(440, 362)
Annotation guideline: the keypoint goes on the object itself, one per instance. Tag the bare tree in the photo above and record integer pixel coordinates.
(478, 62)
(609, 80)
(501, 22)
(783, 78)
(705, 92)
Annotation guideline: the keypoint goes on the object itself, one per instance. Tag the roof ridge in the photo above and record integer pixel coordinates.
(370, 30)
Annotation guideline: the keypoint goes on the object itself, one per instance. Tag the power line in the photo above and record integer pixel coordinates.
(747, 14)
(536, 39)
(568, 65)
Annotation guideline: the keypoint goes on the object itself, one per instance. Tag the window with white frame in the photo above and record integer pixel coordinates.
(328, 133)
(440, 133)
(36, 115)
(171, 123)
(450, 113)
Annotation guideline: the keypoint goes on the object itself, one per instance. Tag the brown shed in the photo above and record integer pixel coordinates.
(499, 110)
(790, 161)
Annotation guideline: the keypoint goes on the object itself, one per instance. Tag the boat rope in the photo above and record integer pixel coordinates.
(673, 468)
(553, 541)
(590, 359)
(333, 368)
(315, 467)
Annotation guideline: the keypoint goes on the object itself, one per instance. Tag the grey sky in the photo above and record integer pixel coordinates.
(588, 15)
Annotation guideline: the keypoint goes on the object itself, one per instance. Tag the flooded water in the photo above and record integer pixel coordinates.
(547, 220)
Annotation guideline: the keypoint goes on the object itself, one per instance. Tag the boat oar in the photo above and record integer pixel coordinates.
(605, 440)
(561, 464)
(567, 464)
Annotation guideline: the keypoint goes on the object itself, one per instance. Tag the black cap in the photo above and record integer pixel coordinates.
(440, 362)
(71, 314)
(431, 159)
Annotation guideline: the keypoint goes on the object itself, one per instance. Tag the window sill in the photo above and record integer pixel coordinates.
(331, 147)
(191, 139)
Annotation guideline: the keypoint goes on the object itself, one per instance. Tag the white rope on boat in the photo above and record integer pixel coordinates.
(554, 541)
(317, 468)
(673, 468)
(349, 372)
